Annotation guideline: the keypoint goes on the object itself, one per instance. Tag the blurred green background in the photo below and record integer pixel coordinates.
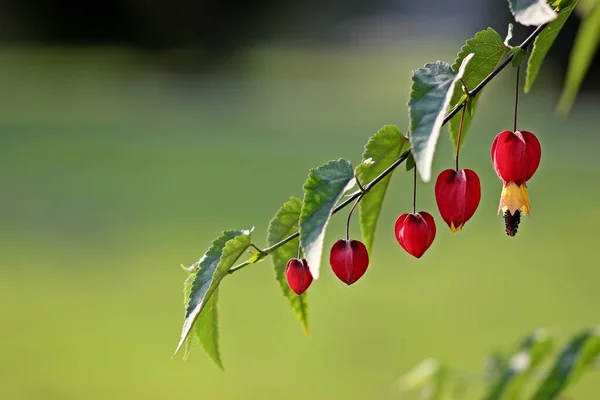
(115, 171)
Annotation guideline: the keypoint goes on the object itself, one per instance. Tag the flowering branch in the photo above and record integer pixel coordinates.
(364, 189)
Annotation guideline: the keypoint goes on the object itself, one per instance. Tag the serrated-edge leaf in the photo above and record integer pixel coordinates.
(531, 12)
(187, 289)
(544, 41)
(324, 187)
(584, 49)
(214, 265)
(489, 49)
(383, 148)
(432, 89)
(283, 224)
(534, 348)
(206, 328)
(570, 364)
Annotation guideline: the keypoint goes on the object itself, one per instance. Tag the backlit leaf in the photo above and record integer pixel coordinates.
(528, 356)
(488, 49)
(531, 12)
(581, 57)
(576, 357)
(322, 190)
(432, 89)
(213, 267)
(382, 150)
(544, 41)
(283, 224)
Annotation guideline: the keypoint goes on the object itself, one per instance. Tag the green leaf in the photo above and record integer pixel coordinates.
(429, 376)
(322, 190)
(471, 104)
(544, 41)
(519, 56)
(582, 54)
(213, 267)
(432, 89)
(206, 328)
(495, 365)
(381, 151)
(531, 12)
(488, 48)
(585, 6)
(434, 389)
(410, 162)
(528, 356)
(283, 224)
(187, 289)
(257, 256)
(577, 356)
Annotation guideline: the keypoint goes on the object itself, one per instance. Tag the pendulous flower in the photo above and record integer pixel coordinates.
(415, 232)
(516, 156)
(457, 194)
(298, 276)
(349, 260)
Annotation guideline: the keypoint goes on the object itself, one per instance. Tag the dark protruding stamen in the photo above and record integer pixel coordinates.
(511, 221)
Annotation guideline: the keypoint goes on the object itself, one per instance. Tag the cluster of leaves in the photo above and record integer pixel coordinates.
(438, 92)
(536, 12)
(529, 371)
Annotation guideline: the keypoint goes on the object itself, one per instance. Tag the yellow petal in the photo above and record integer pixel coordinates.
(514, 198)
(455, 229)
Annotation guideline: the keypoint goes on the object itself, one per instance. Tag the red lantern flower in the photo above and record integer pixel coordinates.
(349, 260)
(457, 194)
(516, 156)
(298, 275)
(415, 232)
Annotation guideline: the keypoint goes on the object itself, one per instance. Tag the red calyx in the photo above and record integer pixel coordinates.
(349, 260)
(298, 275)
(415, 232)
(457, 194)
(516, 156)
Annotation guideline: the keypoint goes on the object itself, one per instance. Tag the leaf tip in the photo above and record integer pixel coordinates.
(178, 347)
(564, 107)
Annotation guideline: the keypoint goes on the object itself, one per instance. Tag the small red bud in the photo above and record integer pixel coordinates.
(298, 275)
(349, 260)
(516, 156)
(457, 194)
(415, 232)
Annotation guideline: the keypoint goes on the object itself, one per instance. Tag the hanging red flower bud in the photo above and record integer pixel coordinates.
(298, 275)
(349, 260)
(457, 194)
(415, 232)
(516, 156)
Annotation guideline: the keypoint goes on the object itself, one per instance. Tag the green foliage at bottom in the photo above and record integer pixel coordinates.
(511, 376)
